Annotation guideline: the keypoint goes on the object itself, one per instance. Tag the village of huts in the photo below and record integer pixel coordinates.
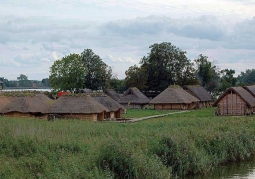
(109, 105)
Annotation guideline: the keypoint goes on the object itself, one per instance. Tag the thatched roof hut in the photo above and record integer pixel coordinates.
(133, 98)
(113, 106)
(200, 93)
(25, 104)
(174, 97)
(113, 94)
(79, 106)
(235, 101)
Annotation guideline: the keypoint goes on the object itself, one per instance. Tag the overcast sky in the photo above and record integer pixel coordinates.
(34, 33)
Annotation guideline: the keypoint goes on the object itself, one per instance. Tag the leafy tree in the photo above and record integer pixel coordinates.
(23, 81)
(98, 73)
(136, 77)
(117, 84)
(247, 77)
(166, 65)
(227, 79)
(46, 82)
(207, 73)
(68, 73)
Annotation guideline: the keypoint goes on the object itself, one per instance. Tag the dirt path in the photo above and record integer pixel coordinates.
(148, 117)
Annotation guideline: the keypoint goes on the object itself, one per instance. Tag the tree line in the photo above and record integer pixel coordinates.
(164, 65)
(23, 82)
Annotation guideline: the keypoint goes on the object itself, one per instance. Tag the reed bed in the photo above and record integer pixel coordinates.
(168, 147)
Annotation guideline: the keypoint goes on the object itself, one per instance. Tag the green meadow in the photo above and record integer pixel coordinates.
(167, 147)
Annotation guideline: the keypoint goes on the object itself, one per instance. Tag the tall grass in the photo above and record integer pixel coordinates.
(176, 145)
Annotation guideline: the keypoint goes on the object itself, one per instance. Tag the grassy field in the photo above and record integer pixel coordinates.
(176, 145)
(138, 113)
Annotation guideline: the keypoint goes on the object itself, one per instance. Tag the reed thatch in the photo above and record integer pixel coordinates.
(174, 95)
(250, 89)
(199, 92)
(133, 96)
(34, 103)
(113, 94)
(77, 104)
(108, 102)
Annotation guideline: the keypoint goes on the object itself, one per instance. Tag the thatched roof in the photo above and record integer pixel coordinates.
(174, 95)
(199, 92)
(250, 89)
(86, 90)
(77, 104)
(36, 103)
(108, 102)
(4, 100)
(135, 96)
(245, 95)
(113, 94)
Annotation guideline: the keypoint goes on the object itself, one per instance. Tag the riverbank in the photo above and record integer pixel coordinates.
(176, 145)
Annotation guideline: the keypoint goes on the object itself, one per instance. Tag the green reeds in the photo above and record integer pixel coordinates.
(176, 145)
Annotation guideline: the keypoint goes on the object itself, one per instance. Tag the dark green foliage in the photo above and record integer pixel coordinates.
(166, 65)
(98, 73)
(247, 77)
(68, 73)
(207, 73)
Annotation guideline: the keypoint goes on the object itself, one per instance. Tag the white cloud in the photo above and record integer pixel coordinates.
(54, 55)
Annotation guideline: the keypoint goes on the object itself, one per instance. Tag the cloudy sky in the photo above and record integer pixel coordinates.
(34, 33)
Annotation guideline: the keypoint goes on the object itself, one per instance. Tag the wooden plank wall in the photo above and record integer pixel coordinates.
(232, 104)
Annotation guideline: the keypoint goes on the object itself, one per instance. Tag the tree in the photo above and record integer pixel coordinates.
(167, 65)
(117, 84)
(68, 73)
(227, 79)
(45, 82)
(23, 81)
(136, 77)
(247, 77)
(206, 73)
(98, 73)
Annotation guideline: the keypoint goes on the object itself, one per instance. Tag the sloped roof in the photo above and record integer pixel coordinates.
(133, 95)
(250, 89)
(4, 100)
(36, 103)
(245, 95)
(112, 93)
(108, 102)
(174, 94)
(77, 104)
(86, 90)
(199, 92)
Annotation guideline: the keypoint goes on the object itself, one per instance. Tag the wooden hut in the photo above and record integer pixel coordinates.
(133, 98)
(176, 98)
(80, 106)
(25, 105)
(200, 93)
(113, 94)
(114, 107)
(235, 101)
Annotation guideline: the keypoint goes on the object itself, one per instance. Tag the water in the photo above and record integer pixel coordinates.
(237, 170)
